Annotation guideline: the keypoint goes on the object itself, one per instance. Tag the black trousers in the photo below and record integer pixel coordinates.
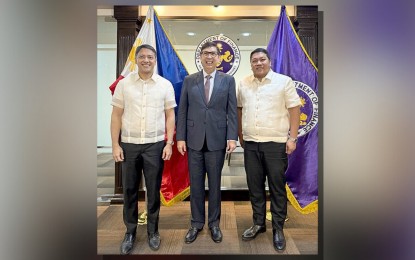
(144, 158)
(200, 163)
(267, 160)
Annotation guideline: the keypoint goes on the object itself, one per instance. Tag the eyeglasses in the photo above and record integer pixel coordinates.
(143, 57)
(207, 53)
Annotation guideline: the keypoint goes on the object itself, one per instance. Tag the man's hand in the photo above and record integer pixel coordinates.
(290, 147)
(167, 151)
(181, 147)
(117, 153)
(230, 146)
(241, 142)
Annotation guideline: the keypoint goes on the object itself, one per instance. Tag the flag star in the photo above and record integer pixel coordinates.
(149, 20)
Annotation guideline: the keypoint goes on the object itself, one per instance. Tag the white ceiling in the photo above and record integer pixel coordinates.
(212, 23)
(260, 31)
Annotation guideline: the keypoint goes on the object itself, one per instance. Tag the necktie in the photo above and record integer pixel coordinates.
(207, 88)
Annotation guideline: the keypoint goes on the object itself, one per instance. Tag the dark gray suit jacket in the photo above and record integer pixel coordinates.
(217, 120)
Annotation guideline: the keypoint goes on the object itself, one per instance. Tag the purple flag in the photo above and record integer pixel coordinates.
(289, 57)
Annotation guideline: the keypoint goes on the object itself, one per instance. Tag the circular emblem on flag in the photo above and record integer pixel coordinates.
(229, 54)
(308, 107)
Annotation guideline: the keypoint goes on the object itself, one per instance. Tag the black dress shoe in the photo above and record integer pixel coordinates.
(127, 244)
(216, 234)
(253, 231)
(154, 241)
(278, 239)
(191, 235)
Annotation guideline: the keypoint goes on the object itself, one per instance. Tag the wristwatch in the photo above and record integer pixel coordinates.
(293, 139)
(170, 142)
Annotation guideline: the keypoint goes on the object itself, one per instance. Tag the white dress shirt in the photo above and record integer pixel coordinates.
(212, 79)
(144, 104)
(265, 104)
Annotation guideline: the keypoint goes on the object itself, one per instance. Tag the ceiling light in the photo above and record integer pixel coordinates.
(246, 34)
(191, 33)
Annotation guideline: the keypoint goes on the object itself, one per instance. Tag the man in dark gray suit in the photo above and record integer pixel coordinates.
(207, 125)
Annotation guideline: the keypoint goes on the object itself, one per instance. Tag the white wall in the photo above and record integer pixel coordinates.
(106, 64)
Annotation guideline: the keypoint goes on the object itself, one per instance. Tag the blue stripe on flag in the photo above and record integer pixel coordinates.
(169, 64)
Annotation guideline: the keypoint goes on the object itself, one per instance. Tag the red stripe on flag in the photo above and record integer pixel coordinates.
(176, 180)
(114, 85)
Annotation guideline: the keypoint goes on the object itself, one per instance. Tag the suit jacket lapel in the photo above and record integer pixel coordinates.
(201, 86)
(216, 85)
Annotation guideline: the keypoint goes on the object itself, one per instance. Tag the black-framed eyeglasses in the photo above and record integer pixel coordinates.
(207, 53)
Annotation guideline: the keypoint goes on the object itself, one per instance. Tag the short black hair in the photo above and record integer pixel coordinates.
(208, 45)
(259, 50)
(145, 46)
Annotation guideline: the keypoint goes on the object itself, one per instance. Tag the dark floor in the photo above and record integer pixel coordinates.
(301, 232)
